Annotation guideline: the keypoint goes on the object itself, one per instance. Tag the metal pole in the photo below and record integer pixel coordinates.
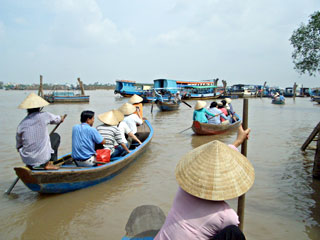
(241, 199)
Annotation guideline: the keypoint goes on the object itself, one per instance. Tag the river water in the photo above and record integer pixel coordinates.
(284, 202)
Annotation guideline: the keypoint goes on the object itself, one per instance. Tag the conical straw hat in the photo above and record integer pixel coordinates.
(112, 117)
(127, 109)
(214, 171)
(200, 104)
(228, 100)
(33, 101)
(135, 99)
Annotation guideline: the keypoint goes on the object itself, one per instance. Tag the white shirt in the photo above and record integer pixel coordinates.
(124, 129)
(132, 121)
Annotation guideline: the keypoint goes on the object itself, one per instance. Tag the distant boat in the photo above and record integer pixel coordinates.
(316, 99)
(214, 129)
(288, 92)
(127, 88)
(167, 106)
(278, 101)
(66, 97)
(70, 177)
(243, 90)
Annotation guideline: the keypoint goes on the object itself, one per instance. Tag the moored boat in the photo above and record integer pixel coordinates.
(70, 177)
(168, 106)
(213, 129)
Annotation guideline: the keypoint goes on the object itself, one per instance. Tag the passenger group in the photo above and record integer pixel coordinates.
(117, 132)
(218, 113)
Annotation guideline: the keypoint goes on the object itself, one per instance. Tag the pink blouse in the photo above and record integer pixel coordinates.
(195, 218)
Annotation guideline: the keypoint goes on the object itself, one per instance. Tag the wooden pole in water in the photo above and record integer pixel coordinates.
(81, 87)
(294, 90)
(316, 164)
(242, 198)
(40, 92)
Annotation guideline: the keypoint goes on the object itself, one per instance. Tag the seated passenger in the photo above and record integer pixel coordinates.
(125, 130)
(221, 107)
(200, 112)
(84, 139)
(213, 109)
(136, 101)
(230, 110)
(177, 98)
(199, 210)
(111, 133)
(131, 119)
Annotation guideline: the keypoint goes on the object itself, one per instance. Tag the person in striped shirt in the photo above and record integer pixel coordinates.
(35, 146)
(111, 133)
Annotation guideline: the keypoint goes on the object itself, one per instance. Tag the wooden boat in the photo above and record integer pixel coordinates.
(277, 101)
(66, 97)
(213, 129)
(315, 99)
(167, 106)
(127, 88)
(70, 177)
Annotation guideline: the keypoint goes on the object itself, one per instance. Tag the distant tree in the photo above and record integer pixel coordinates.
(306, 43)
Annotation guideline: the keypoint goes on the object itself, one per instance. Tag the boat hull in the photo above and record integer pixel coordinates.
(212, 129)
(66, 99)
(167, 106)
(274, 101)
(68, 179)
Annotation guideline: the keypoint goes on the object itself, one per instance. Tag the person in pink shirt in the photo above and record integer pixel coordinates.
(207, 176)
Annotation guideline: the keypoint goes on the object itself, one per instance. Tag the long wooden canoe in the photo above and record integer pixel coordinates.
(213, 129)
(70, 177)
(167, 106)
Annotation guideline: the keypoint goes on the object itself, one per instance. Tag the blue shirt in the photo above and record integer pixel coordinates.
(84, 138)
(200, 115)
(216, 120)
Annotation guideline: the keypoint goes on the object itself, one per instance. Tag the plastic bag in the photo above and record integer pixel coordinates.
(103, 155)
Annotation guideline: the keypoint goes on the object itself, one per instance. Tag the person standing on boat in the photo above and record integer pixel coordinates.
(84, 140)
(177, 98)
(200, 112)
(35, 146)
(111, 133)
(213, 109)
(207, 176)
(136, 101)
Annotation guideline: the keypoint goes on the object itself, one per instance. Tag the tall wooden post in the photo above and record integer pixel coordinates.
(215, 83)
(40, 92)
(262, 90)
(316, 164)
(242, 198)
(224, 82)
(81, 87)
(294, 90)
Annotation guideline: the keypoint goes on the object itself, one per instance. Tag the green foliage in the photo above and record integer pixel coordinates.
(306, 43)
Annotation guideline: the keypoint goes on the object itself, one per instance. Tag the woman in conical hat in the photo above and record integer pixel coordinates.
(200, 113)
(136, 101)
(111, 133)
(33, 142)
(207, 176)
(131, 119)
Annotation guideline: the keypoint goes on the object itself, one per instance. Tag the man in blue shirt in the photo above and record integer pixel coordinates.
(84, 139)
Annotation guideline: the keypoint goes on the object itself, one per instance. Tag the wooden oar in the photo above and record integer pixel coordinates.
(8, 191)
(186, 104)
(185, 130)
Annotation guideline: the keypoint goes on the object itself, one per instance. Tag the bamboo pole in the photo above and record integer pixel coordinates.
(242, 198)
(314, 133)
(294, 90)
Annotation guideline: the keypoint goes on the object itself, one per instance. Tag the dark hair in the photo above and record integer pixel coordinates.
(32, 110)
(213, 104)
(85, 115)
(224, 102)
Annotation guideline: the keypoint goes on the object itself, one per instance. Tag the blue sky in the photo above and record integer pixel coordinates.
(239, 41)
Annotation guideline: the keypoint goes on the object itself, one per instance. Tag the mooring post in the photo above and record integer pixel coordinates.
(316, 163)
(242, 198)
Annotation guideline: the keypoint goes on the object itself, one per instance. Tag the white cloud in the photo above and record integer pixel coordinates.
(179, 36)
(81, 23)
